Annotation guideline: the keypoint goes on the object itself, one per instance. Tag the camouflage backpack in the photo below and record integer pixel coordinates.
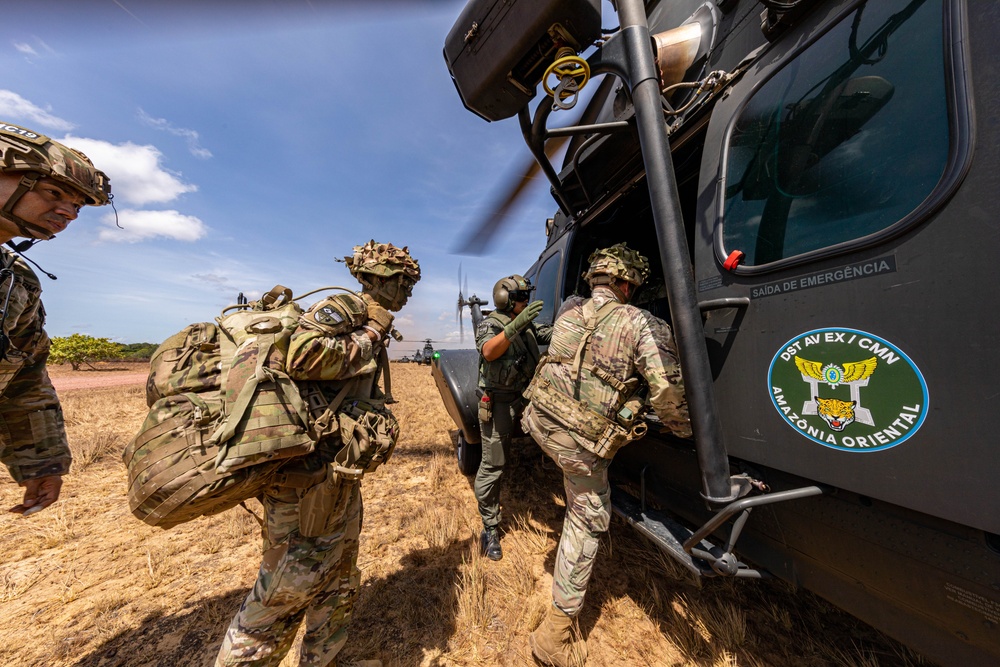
(223, 414)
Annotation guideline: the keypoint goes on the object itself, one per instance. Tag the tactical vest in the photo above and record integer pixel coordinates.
(601, 435)
(513, 370)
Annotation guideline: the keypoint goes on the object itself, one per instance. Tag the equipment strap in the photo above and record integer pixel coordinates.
(592, 318)
(282, 384)
(321, 425)
(383, 361)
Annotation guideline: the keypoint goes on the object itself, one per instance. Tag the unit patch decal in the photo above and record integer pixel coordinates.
(848, 390)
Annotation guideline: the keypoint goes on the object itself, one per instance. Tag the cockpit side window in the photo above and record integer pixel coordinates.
(546, 281)
(847, 142)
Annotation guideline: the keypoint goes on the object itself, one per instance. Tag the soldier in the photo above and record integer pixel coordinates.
(313, 511)
(603, 356)
(43, 186)
(508, 353)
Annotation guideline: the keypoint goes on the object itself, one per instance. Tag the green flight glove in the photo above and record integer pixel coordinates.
(521, 322)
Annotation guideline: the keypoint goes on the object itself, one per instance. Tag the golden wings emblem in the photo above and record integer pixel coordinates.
(832, 374)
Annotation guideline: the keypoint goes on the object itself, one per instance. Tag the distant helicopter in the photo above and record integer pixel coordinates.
(423, 355)
(814, 183)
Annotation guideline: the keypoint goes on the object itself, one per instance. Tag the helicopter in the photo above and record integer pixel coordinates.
(422, 355)
(427, 354)
(811, 181)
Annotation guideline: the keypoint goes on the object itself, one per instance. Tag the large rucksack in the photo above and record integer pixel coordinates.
(224, 415)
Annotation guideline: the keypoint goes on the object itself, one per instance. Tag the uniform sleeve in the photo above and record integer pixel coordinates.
(486, 330)
(657, 361)
(543, 333)
(315, 353)
(32, 432)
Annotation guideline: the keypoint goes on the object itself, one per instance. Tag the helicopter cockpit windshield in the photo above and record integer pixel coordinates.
(820, 152)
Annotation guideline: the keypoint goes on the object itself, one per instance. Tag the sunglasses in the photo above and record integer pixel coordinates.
(520, 295)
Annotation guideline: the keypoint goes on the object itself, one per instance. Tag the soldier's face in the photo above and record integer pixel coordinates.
(50, 206)
(393, 293)
(520, 299)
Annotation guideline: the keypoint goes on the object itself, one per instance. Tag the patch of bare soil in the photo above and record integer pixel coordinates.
(102, 374)
(84, 583)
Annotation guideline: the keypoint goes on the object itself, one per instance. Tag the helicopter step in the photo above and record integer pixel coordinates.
(664, 532)
(672, 537)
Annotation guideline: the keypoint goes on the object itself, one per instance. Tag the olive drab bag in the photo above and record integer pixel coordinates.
(223, 414)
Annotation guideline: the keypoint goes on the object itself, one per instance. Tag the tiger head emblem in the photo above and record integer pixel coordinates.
(838, 414)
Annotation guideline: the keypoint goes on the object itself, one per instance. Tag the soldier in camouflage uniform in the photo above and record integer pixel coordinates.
(507, 340)
(313, 511)
(583, 408)
(43, 186)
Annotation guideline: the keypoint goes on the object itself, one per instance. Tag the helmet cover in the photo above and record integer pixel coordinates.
(616, 262)
(22, 150)
(382, 259)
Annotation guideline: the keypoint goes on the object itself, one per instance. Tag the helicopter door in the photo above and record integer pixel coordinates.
(844, 270)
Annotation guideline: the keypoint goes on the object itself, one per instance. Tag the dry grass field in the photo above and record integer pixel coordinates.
(84, 583)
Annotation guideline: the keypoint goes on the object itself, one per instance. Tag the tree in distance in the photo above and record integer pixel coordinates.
(138, 351)
(79, 349)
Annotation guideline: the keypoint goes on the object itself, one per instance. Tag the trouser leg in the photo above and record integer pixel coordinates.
(300, 577)
(496, 436)
(329, 615)
(588, 503)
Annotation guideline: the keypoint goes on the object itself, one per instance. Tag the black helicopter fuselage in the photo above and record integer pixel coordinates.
(835, 203)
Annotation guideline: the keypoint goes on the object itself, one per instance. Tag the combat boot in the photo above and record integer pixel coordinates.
(553, 642)
(489, 543)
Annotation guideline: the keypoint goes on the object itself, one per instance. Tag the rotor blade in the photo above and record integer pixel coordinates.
(478, 240)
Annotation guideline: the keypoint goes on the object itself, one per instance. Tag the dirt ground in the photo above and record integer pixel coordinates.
(105, 374)
(86, 584)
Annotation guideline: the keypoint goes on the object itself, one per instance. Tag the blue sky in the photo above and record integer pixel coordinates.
(250, 144)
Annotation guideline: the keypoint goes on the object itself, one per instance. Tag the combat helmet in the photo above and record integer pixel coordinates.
(383, 260)
(36, 156)
(505, 287)
(616, 262)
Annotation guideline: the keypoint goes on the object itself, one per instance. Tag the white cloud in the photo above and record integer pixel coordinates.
(14, 106)
(25, 49)
(193, 143)
(143, 225)
(135, 171)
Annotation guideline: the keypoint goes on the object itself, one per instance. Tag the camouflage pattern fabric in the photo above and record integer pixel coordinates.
(188, 361)
(504, 379)
(308, 578)
(315, 354)
(32, 435)
(588, 503)
(24, 150)
(314, 579)
(628, 342)
(618, 261)
(382, 259)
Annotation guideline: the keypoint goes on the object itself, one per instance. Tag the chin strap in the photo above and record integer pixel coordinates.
(26, 228)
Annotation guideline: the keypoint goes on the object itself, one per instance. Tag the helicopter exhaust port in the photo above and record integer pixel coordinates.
(675, 51)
